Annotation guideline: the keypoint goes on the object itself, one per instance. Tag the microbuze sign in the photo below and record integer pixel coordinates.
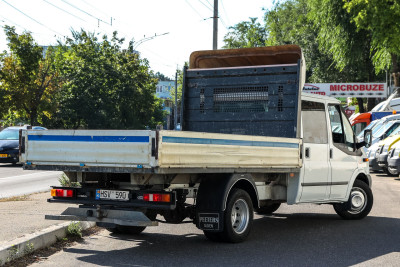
(365, 90)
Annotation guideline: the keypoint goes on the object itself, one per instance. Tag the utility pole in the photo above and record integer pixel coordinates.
(176, 101)
(215, 26)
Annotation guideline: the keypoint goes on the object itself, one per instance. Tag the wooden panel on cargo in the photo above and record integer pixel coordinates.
(208, 150)
(255, 56)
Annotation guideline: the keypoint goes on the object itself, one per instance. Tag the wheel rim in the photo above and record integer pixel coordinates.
(240, 216)
(358, 200)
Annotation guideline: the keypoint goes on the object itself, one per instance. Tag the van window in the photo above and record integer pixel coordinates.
(314, 122)
(342, 133)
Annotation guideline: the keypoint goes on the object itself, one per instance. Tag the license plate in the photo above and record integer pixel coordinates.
(3, 155)
(112, 195)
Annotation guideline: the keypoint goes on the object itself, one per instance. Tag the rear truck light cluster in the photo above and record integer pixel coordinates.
(62, 193)
(157, 197)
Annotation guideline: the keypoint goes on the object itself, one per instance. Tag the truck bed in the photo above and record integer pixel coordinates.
(157, 151)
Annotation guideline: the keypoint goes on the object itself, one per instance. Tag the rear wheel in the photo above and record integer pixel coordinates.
(238, 216)
(359, 204)
(271, 208)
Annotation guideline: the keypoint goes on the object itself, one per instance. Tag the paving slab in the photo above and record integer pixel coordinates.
(24, 217)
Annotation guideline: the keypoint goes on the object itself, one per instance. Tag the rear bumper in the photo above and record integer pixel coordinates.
(110, 217)
(11, 156)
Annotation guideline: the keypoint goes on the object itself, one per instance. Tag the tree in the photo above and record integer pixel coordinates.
(161, 77)
(27, 78)
(381, 19)
(105, 86)
(245, 34)
(349, 46)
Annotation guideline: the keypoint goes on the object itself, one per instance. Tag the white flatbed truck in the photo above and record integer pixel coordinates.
(250, 141)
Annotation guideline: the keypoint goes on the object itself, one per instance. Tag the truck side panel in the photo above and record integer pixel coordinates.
(89, 148)
(207, 150)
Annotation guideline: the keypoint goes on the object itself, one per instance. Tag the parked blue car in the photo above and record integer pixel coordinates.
(9, 143)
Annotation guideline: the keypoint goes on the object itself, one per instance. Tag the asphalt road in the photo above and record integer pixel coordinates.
(14, 181)
(300, 235)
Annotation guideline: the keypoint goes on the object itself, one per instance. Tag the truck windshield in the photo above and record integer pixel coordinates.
(382, 129)
(9, 135)
(395, 131)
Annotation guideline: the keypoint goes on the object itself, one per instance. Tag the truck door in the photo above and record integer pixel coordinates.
(342, 153)
(316, 169)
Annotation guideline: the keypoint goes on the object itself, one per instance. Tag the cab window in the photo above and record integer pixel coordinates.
(314, 122)
(342, 133)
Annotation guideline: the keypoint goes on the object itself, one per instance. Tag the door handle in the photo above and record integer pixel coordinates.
(331, 153)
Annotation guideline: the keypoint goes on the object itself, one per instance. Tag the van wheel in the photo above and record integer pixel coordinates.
(238, 216)
(389, 173)
(271, 208)
(359, 204)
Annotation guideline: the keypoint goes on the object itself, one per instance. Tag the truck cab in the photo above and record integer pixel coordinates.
(330, 151)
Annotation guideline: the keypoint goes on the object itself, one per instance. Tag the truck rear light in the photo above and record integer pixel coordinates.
(62, 193)
(157, 197)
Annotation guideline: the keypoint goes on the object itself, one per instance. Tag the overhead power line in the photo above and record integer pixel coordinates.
(12, 22)
(32, 18)
(209, 8)
(63, 10)
(226, 14)
(202, 17)
(85, 12)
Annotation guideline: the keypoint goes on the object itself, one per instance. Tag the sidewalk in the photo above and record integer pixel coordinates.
(22, 222)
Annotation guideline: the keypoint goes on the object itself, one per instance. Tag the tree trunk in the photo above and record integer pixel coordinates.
(371, 103)
(360, 102)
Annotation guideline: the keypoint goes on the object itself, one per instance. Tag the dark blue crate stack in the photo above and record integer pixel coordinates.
(261, 100)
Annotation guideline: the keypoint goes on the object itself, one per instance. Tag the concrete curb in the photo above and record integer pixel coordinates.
(41, 239)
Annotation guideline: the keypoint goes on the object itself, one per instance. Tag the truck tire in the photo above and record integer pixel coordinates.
(359, 204)
(238, 216)
(271, 208)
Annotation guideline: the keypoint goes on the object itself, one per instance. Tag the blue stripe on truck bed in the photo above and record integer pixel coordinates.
(88, 138)
(188, 140)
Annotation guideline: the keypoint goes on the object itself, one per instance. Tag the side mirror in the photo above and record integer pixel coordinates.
(368, 137)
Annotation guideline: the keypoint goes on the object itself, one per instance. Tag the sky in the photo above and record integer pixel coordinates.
(179, 27)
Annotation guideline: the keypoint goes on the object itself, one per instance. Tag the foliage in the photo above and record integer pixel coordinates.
(381, 18)
(27, 78)
(161, 77)
(104, 86)
(65, 181)
(74, 229)
(245, 34)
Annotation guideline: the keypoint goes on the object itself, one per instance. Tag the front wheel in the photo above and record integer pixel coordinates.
(238, 216)
(359, 204)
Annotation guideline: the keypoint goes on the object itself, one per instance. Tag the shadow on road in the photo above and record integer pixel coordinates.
(279, 240)
(10, 165)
